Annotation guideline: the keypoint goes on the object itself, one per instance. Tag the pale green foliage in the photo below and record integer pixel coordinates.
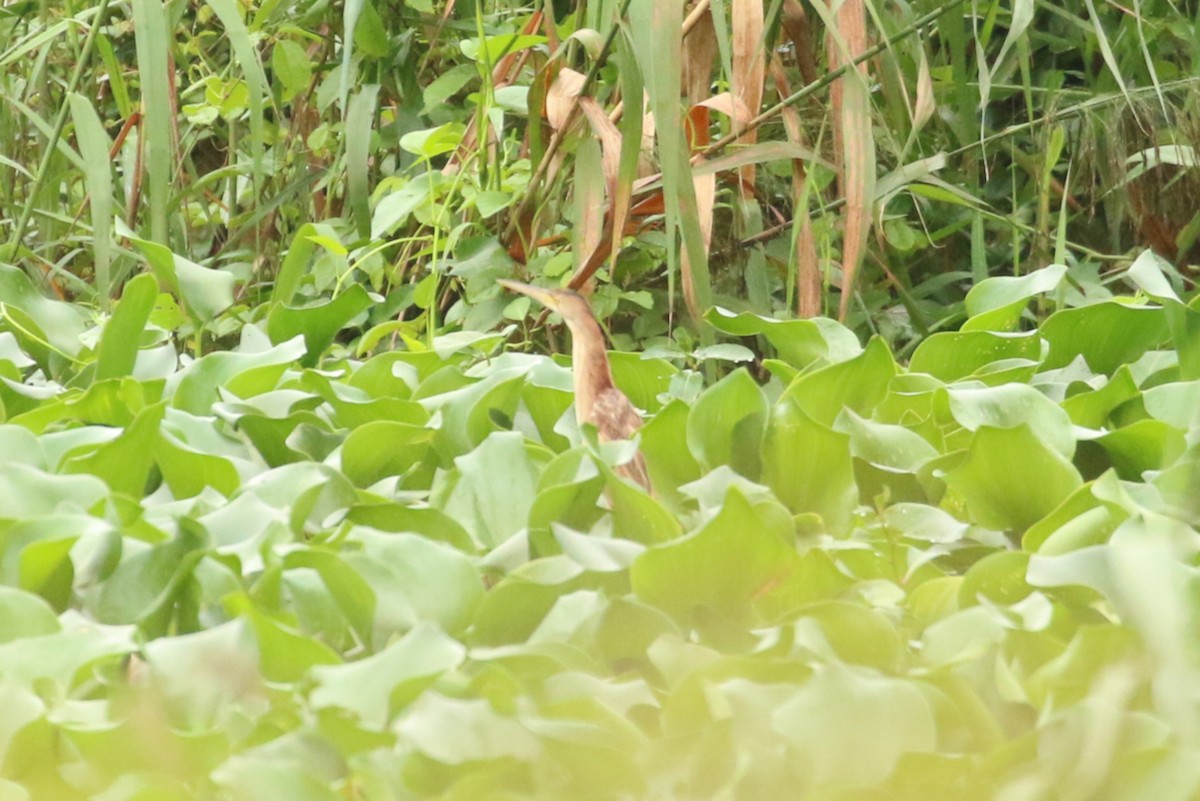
(286, 571)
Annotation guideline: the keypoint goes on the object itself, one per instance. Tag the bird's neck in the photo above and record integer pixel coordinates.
(588, 358)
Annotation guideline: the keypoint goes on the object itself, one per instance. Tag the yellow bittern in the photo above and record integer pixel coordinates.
(597, 399)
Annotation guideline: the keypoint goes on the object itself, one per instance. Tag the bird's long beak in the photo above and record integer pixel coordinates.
(543, 296)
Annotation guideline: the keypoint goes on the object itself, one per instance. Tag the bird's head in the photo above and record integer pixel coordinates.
(571, 306)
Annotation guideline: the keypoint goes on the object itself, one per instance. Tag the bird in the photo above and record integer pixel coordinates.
(597, 399)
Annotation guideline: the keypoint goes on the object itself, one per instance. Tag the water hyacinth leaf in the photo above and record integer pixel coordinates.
(1011, 478)
(454, 731)
(188, 470)
(125, 462)
(996, 303)
(54, 322)
(204, 292)
(1092, 409)
(121, 339)
(726, 424)
(669, 465)
(1143, 445)
(383, 448)
(951, 356)
(1011, 405)
(148, 578)
(397, 671)
(319, 323)
(809, 466)
(857, 384)
(492, 489)
(23, 614)
(414, 580)
(636, 515)
(890, 447)
(827, 720)
(798, 342)
(1107, 335)
(243, 373)
(26, 491)
(690, 579)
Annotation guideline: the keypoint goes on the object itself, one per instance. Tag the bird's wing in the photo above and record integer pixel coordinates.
(616, 418)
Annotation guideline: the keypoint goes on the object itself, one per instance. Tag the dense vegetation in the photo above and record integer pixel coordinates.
(293, 505)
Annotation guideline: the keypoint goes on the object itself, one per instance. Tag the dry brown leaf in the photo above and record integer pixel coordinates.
(562, 96)
(706, 195)
(749, 69)
(856, 147)
(799, 30)
(610, 140)
(730, 106)
(699, 56)
(808, 266)
(925, 105)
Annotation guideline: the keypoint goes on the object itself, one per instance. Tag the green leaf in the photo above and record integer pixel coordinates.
(1011, 478)
(798, 342)
(319, 323)
(1107, 335)
(849, 727)
(951, 356)
(204, 292)
(121, 339)
(23, 614)
(383, 448)
(857, 384)
(996, 303)
(455, 731)
(726, 424)
(690, 577)
(492, 489)
(416, 580)
(809, 466)
(396, 674)
(53, 323)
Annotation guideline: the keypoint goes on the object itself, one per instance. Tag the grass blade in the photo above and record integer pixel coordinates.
(150, 33)
(94, 147)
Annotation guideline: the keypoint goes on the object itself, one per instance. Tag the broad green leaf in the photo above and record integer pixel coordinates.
(125, 462)
(690, 577)
(1011, 478)
(809, 466)
(23, 614)
(996, 304)
(857, 384)
(1107, 335)
(121, 339)
(245, 374)
(726, 424)
(1010, 405)
(319, 323)
(383, 448)
(204, 292)
(798, 342)
(849, 727)
(415, 580)
(43, 324)
(374, 687)
(453, 731)
(285, 655)
(492, 488)
(951, 356)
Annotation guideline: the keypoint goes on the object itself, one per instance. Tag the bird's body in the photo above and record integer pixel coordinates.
(597, 399)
